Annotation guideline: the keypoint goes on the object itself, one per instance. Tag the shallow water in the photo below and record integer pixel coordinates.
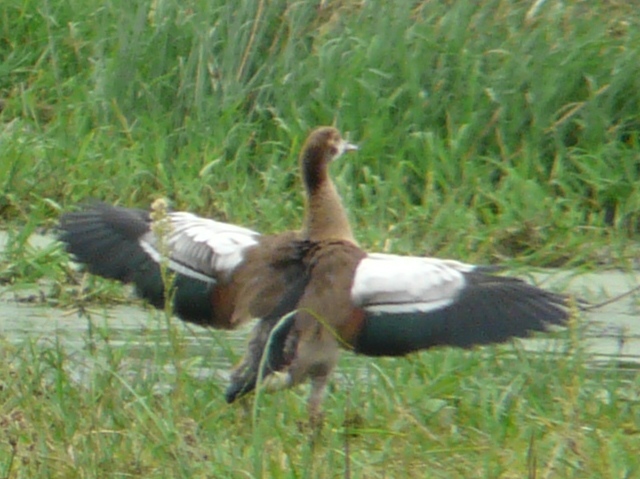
(613, 332)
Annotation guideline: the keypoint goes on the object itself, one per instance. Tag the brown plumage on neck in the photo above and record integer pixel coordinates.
(326, 217)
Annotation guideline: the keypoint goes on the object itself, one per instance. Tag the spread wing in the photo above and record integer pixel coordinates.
(412, 303)
(224, 274)
(387, 305)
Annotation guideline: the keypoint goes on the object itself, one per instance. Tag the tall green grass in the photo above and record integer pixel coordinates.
(488, 129)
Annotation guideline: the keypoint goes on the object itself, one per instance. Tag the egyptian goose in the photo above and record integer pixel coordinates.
(322, 291)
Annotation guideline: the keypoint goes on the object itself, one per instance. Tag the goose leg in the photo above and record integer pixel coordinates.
(318, 388)
(245, 374)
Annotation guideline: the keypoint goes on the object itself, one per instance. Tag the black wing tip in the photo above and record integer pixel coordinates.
(101, 224)
(104, 239)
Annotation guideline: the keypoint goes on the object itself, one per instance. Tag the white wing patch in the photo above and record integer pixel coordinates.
(395, 284)
(202, 248)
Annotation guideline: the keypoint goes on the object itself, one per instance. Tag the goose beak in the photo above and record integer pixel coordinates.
(350, 147)
(346, 147)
